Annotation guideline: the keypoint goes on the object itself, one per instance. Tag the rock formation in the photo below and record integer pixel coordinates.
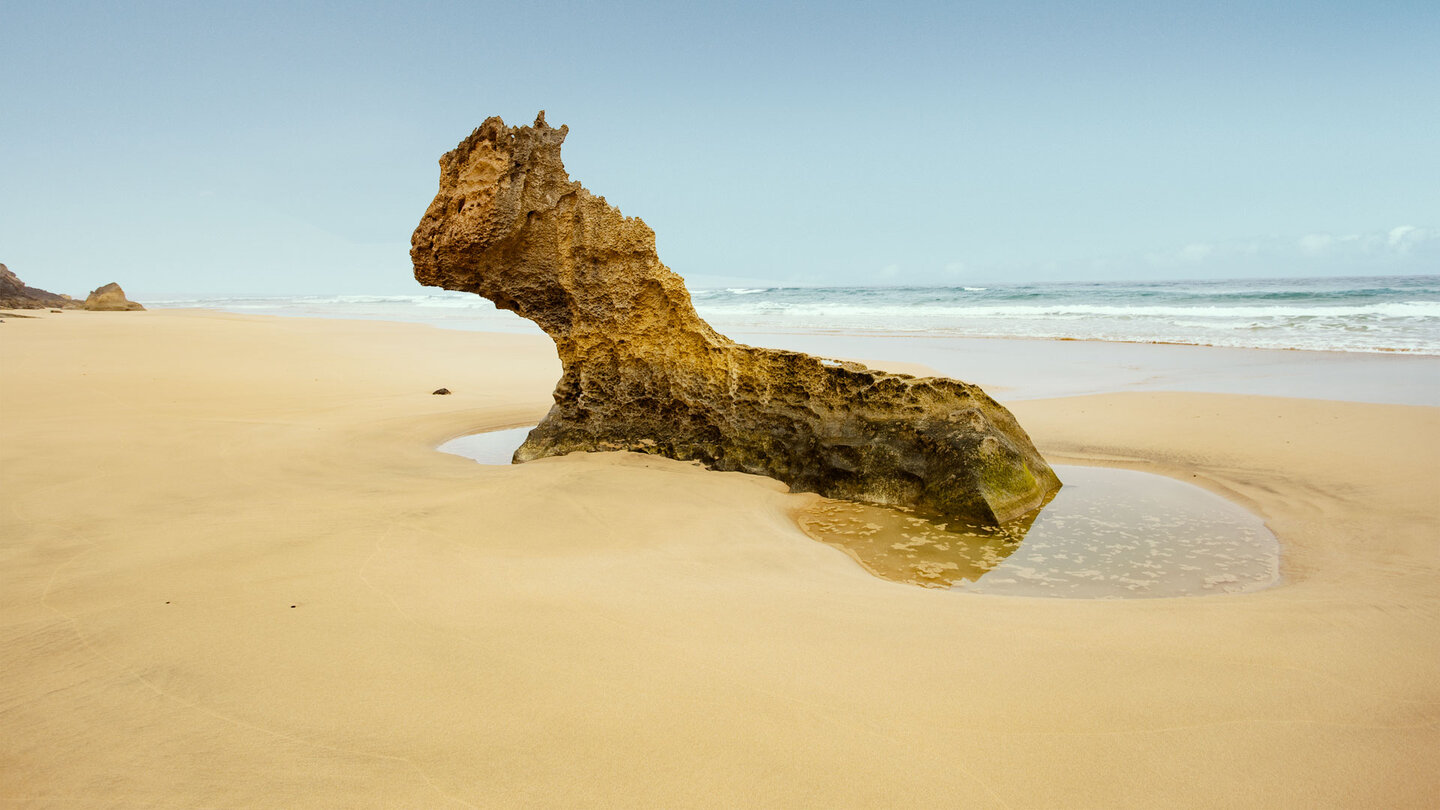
(110, 298)
(15, 295)
(643, 372)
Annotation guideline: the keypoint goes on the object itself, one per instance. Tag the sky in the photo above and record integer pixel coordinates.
(291, 147)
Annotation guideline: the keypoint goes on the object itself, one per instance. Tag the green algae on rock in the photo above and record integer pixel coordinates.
(643, 372)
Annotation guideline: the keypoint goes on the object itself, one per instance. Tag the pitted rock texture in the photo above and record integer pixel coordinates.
(110, 298)
(643, 372)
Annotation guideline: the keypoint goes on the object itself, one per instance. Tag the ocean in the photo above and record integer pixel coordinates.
(1397, 314)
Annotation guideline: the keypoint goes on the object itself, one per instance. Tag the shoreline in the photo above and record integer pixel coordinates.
(1039, 368)
(920, 334)
(1378, 314)
(624, 629)
(719, 322)
(1043, 368)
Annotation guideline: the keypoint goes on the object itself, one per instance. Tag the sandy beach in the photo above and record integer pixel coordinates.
(237, 574)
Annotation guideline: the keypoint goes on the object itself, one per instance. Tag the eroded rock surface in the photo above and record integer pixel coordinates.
(15, 295)
(110, 298)
(643, 372)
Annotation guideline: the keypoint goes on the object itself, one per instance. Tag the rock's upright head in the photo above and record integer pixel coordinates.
(509, 224)
(643, 372)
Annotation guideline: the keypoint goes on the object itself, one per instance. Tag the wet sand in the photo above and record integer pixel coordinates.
(1039, 368)
(236, 573)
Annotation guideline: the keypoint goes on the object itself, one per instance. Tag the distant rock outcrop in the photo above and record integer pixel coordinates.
(15, 295)
(643, 372)
(110, 298)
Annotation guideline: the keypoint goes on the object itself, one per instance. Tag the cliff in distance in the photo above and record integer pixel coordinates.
(643, 372)
(15, 295)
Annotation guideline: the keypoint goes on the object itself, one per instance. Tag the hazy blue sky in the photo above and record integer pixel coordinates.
(291, 146)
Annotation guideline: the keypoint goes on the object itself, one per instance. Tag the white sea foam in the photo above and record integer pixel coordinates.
(1365, 315)
(897, 313)
(1356, 315)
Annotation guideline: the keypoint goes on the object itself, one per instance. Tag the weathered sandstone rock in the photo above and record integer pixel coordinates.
(110, 298)
(15, 295)
(643, 372)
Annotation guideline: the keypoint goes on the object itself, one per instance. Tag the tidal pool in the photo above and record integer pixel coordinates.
(1107, 534)
(491, 447)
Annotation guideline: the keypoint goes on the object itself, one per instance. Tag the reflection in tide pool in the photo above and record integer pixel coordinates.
(1106, 534)
(898, 544)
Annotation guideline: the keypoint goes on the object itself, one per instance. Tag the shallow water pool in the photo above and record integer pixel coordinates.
(491, 447)
(1108, 533)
